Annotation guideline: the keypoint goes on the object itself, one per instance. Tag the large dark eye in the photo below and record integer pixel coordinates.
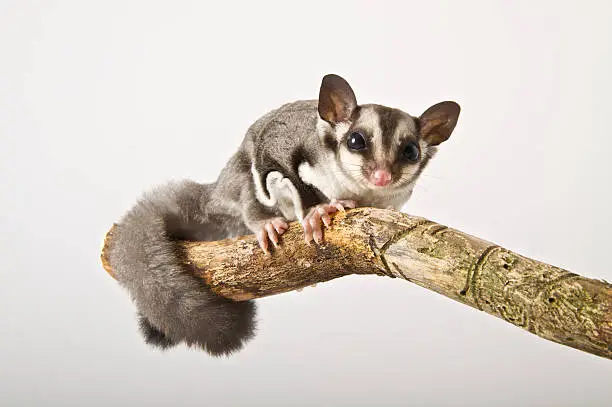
(356, 142)
(411, 152)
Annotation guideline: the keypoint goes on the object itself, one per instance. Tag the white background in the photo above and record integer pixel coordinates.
(102, 100)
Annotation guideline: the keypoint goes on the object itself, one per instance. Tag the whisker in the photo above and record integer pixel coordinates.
(351, 164)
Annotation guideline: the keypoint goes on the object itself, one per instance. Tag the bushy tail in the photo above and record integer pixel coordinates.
(174, 305)
(152, 335)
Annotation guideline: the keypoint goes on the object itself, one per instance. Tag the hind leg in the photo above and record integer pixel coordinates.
(267, 223)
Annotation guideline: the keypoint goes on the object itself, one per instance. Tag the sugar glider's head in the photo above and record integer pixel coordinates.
(377, 146)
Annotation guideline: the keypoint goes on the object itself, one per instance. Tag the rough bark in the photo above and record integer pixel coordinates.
(550, 302)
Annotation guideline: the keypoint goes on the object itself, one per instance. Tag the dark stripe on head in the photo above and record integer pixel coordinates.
(417, 126)
(388, 119)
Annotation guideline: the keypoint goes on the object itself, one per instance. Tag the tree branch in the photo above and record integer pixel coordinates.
(545, 300)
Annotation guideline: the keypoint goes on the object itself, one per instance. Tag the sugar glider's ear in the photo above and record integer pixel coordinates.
(336, 99)
(438, 122)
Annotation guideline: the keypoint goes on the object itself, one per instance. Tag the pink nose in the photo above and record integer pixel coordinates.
(381, 178)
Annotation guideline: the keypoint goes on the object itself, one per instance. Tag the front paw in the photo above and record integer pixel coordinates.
(269, 231)
(320, 214)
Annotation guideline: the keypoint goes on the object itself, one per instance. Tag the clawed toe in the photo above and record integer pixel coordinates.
(320, 214)
(271, 229)
(341, 204)
(270, 232)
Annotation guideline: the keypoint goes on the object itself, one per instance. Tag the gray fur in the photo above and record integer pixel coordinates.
(288, 162)
(147, 261)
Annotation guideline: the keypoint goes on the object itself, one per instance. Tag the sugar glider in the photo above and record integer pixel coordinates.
(301, 162)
